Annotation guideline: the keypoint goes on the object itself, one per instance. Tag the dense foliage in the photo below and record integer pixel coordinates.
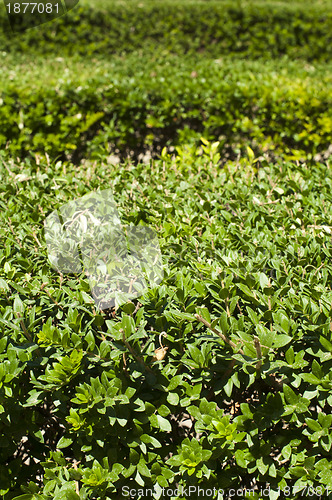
(217, 27)
(137, 105)
(220, 377)
(96, 410)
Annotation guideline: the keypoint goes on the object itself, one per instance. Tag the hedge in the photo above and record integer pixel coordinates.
(85, 409)
(250, 29)
(136, 105)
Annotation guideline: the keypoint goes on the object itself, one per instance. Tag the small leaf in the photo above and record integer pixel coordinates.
(316, 369)
(18, 306)
(281, 340)
(313, 425)
(175, 382)
(173, 398)
(64, 443)
(263, 280)
(164, 424)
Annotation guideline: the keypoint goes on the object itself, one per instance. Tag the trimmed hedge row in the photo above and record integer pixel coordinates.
(133, 106)
(250, 29)
(86, 411)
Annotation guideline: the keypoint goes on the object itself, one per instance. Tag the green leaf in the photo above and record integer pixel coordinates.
(64, 442)
(263, 280)
(145, 438)
(316, 370)
(142, 469)
(281, 340)
(195, 354)
(3, 285)
(90, 340)
(163, 410)
(290, 395)
(173, 398)
(128, 325)
(282, 321)
(133, 456)
(251, 154)
(326, 478)
(296, 404)
(310, 378)
(175, 382)
(207, 408)
(286, 452)
(66, 494)
(262, 467)
(253, 316)
(161, 423)
(223, 323)
(27, 496)
(246, 290)
(325, 343)
(228, 387)
(164, 424)
(18, 306)
(241, 459)
(204, 312)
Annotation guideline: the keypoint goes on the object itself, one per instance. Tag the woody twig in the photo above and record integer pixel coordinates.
(221, 335)
(257, 345)
(131, 350)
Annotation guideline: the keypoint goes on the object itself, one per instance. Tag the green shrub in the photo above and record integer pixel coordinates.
(243, 392)
(133, 106)
(246, 28)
